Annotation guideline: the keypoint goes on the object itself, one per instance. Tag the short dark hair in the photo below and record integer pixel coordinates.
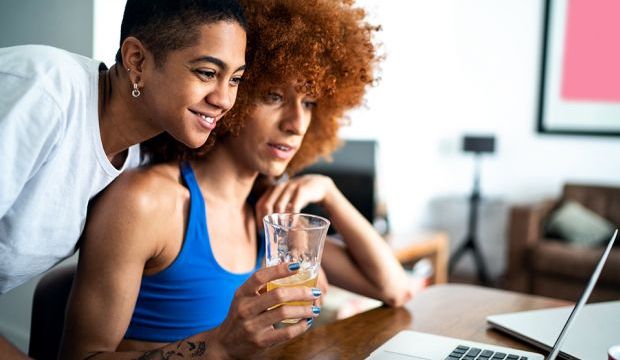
(165, 25)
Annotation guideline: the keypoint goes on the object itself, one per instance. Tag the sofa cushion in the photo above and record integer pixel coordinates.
(603, 200)
(558, 258)
(578, 225)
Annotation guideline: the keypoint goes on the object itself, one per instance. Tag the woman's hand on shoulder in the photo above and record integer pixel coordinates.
(295, 194)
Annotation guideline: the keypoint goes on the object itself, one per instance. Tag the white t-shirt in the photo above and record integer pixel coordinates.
(52, 160)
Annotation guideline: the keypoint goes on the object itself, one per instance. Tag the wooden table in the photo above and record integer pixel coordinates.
(449, 310)
(412, 247)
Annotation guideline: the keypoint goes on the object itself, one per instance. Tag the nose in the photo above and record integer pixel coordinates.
(222, 96)
(296, 119)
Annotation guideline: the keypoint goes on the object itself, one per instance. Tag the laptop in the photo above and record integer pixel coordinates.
(595, 330)
(413, 345)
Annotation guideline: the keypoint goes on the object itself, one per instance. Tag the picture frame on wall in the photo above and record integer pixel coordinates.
(580, 77)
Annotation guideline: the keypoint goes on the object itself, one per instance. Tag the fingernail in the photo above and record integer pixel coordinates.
(309, 321)
(316, 309)
(294, 266)
(316, 292)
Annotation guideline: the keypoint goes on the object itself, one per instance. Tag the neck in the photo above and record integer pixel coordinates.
(121, 123)
(223, 178)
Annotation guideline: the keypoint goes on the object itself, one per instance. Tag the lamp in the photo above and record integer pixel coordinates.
(476, 145)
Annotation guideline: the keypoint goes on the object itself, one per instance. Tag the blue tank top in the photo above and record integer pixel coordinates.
(194, 293)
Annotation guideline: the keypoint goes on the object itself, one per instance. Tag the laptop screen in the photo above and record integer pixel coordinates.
(541, 327)
(583, 299)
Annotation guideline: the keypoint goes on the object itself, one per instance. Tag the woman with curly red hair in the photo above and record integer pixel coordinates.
(173, 250)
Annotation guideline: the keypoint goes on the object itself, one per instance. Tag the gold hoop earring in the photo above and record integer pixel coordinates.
(135, 92)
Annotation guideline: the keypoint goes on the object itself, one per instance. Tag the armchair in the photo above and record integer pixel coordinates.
(550, 267)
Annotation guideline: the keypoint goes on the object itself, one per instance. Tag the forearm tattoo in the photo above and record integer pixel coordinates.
(192, 350)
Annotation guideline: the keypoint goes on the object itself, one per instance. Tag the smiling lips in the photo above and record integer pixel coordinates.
(282, 151)
(206, 120)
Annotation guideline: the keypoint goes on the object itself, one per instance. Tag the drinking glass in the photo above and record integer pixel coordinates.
(295, 237)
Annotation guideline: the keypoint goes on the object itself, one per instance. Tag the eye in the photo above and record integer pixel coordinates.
(235, 81)
(273, 98)
(205, 73)
(309, 104)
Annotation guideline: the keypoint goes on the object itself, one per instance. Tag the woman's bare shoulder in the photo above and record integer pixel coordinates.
(138, 212)
(146, 191)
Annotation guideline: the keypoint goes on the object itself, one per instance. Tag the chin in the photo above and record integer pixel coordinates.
(185, 138)
(195, 141)
(274, 171)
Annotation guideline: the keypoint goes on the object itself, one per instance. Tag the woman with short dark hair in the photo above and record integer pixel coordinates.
(68, 124)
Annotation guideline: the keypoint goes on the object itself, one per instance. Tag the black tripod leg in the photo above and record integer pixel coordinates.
(457, 254)
(483, 275)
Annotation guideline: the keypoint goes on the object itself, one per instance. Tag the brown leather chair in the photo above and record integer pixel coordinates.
(551, 267)
(48, 312)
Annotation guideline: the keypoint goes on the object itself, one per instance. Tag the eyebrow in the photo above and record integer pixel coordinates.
(216, 61)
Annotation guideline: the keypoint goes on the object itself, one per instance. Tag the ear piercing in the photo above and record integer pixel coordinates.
(135, 92)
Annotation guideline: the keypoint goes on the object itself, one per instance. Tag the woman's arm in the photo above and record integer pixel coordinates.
(126, 232)
(122, 234)
(366, 264)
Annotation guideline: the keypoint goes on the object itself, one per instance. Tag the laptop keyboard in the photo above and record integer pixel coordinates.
(463, 352)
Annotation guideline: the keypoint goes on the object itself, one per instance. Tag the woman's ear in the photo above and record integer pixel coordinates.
(134, 55)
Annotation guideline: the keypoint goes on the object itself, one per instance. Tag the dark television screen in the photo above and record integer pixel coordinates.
(353, 171)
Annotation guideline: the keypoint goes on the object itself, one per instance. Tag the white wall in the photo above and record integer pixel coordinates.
(107, 29)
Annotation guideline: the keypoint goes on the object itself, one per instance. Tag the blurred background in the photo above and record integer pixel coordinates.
(451, 68)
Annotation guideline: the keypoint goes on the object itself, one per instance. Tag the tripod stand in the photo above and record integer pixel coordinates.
(470, 242)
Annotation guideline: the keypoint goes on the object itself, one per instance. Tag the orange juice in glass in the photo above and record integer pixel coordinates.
(306, 278)
(295, 237)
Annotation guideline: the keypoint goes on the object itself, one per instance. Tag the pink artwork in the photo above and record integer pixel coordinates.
(591, 68)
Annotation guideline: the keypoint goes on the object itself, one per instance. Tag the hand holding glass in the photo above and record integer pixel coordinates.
(293, 237)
